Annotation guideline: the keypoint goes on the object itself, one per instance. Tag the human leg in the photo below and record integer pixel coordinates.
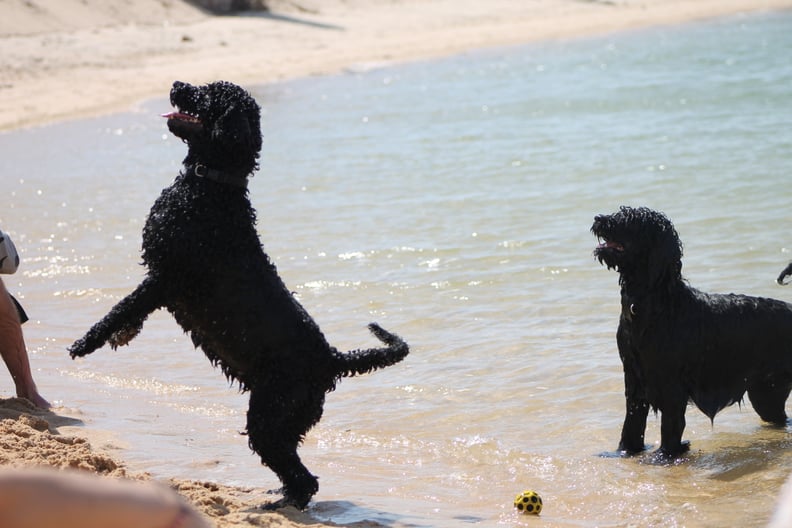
(14, 351)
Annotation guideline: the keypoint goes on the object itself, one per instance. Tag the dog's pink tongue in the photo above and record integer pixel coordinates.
(181, 116)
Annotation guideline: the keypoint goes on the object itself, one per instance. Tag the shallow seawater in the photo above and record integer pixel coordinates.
(451, 202)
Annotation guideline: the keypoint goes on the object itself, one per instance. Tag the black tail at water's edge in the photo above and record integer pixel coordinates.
(358, 362)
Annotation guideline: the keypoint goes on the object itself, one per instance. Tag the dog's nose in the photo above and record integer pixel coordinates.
(597, 222)
(178, 90)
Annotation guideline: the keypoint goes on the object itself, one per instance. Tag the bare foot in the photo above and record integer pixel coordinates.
(36, 398)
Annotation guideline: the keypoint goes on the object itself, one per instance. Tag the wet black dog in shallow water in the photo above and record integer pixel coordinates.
(678, 344)
(206, 265)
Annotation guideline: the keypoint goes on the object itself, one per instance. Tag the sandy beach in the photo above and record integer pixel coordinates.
(69, 58)
(64, 59)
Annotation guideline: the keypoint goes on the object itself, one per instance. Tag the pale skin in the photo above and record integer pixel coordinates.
(14, 351)
(39, 498)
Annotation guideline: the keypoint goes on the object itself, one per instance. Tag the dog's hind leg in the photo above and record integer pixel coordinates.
(123, 322)
(278, 417)
(672, 425)
(769, 401)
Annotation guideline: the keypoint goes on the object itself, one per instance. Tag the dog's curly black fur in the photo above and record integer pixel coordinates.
(678, 344)
(206, 265)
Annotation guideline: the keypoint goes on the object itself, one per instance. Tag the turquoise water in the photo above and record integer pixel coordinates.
(451, 202)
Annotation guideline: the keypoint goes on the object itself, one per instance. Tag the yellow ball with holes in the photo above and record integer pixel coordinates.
(528, 502)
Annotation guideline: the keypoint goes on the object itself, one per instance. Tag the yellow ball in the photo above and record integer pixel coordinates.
(528, 502)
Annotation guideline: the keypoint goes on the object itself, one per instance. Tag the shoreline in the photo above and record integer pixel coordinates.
(97, 63)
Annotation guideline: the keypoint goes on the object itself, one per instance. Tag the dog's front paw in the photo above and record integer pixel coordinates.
(79, 349)
(90, 342)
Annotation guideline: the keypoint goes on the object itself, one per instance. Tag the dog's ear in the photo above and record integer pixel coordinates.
(665, 258)
(232, 127)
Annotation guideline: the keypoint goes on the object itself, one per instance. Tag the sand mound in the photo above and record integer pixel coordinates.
(29, 437)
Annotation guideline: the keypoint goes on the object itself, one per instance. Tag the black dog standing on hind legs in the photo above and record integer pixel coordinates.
(206, 265)
(678, 344)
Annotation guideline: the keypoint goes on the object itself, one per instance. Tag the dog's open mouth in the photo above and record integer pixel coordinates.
(182, 116)
(610, 244)
(183, 124)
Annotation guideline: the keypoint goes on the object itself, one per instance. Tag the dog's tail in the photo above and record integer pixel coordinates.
(363, 361)
(784, 274)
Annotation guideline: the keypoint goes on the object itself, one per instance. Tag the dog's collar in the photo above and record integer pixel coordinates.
(202, 171)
